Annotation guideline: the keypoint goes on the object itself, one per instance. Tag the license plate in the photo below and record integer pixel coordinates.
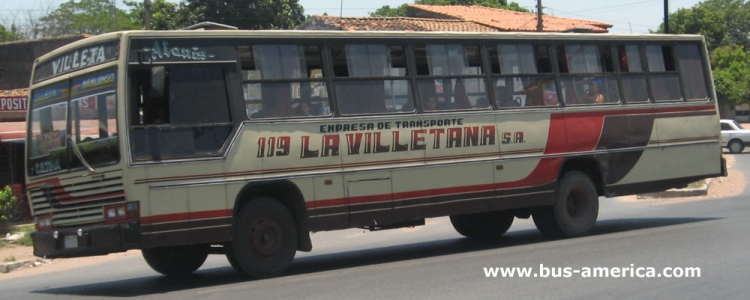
(71, 241)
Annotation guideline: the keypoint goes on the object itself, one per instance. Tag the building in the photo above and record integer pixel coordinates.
(456, 18)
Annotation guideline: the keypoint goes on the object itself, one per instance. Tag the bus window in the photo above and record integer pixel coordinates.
(170, 127)
(522, 91)
(93, 110)
(592, 79)
(632, 75)
(457, 82)
(692, 72)
(283, 81)
(365, 81)
(661, 66)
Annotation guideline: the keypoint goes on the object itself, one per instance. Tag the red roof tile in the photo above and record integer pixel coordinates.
(506, 20)
(398, 24)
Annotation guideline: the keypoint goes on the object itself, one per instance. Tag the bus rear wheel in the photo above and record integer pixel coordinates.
(575, 209)
(264, 240)
(177, 260)
(482, 225)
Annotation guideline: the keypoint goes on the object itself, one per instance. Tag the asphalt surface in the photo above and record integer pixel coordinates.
(434, 262)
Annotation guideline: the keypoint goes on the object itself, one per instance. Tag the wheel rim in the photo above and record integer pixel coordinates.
(266, 237)
(734, 147)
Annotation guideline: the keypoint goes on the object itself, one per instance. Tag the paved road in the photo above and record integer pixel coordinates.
(433, 262)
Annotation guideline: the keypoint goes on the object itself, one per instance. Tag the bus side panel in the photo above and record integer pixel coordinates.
(691, 162)
(183, 215)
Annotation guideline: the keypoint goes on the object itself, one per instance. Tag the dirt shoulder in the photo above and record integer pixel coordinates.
(720, 187)
(21, 253)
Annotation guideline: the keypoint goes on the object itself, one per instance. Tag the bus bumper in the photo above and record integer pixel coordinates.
(87, 241)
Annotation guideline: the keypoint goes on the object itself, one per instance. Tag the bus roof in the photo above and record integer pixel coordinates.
(408, 35)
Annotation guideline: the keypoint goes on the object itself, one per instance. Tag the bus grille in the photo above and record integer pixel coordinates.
(78, 200)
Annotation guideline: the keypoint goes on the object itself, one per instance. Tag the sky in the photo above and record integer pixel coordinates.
(626, 16)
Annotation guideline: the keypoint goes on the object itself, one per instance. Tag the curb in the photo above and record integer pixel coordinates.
(8, 267)
(701, 190)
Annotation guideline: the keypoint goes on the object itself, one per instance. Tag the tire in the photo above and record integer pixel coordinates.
(482, 225)
(177, 261)
(736, 146)
(575, 209)
(264, 239)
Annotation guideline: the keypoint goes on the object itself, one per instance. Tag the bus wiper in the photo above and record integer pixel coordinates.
(80, 156)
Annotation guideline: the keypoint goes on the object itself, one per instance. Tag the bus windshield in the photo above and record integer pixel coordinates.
(80, 113)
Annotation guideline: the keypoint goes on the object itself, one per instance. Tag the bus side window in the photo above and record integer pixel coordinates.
(592, 74)
(692, 72)
(370, 79)
(278, 80)
(519, 76)
(632, 75)
(455, 79)
(176, 130)
(663, 73)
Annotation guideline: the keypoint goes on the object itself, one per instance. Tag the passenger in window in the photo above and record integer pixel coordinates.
(593, 96)
(460, 95)
(534, 94)
(305, 108)
(431, 104)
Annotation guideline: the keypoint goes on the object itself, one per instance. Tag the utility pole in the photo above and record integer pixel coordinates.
(147, 14)
(113, 15)
(539, 23)
(666, 16)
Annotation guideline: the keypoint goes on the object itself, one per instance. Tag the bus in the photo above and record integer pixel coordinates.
(188, 143)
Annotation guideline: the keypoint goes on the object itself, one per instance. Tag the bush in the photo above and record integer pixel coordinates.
(6, 203)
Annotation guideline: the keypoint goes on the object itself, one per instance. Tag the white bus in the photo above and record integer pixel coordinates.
(189, 143)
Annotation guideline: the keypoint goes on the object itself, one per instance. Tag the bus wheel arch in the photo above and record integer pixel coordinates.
(286, 193)
(264, 240)
(576, 201)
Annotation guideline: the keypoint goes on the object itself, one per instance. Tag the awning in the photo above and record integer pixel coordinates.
(12, 131)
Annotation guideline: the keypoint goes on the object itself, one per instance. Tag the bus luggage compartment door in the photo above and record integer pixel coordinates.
(369, 200)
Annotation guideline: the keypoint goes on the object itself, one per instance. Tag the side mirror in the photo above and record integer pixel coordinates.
(158, 76)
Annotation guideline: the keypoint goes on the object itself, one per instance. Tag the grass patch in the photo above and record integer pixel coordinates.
(9, 259)
(25, 240)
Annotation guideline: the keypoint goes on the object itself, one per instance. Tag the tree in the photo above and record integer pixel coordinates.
(86, 16)
(387, 11)
(250, 14)
(164, 15)
(731, 74)
(725, 27)
(6, 203)
(722, 22)
(9, 36)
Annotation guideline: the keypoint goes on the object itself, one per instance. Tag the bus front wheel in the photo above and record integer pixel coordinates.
(264, 240)
(482, 225)
(176, 261)
(575, 209)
